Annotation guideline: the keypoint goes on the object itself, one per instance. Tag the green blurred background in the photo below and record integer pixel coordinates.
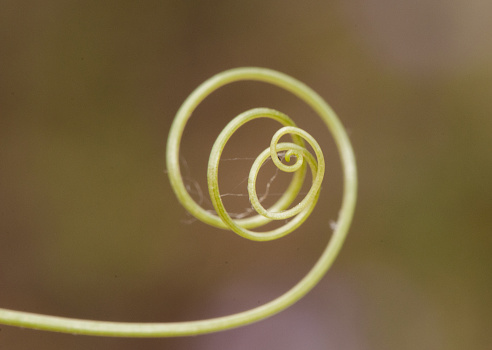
(90, 228)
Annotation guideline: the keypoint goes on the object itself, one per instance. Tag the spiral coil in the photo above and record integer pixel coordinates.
(278, 211)
(222, 219)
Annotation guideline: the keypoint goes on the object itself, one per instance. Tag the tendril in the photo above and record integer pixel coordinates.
(221, 219)
(278, 211)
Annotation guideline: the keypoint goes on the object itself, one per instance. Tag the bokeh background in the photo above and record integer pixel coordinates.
(90, 227)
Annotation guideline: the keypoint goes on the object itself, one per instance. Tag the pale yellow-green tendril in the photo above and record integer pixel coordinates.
(279, 211)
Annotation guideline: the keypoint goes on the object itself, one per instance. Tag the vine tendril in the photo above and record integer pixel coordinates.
(278, 211)
(221, 219)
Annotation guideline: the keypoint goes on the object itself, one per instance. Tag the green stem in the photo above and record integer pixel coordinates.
(223, 220)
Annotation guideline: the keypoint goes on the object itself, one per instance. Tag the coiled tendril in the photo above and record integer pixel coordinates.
(242, 227)
(278, 211)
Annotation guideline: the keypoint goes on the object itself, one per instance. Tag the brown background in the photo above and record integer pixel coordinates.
(90, 228)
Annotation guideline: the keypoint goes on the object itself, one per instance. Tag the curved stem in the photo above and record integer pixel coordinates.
(103, 328)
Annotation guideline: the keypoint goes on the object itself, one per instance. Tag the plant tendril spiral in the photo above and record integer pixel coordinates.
(221, 219)
(278, 211)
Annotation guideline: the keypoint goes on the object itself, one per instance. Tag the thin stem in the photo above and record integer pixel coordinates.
(242, 226)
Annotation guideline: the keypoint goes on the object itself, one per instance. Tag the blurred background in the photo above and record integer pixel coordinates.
(90, 227)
